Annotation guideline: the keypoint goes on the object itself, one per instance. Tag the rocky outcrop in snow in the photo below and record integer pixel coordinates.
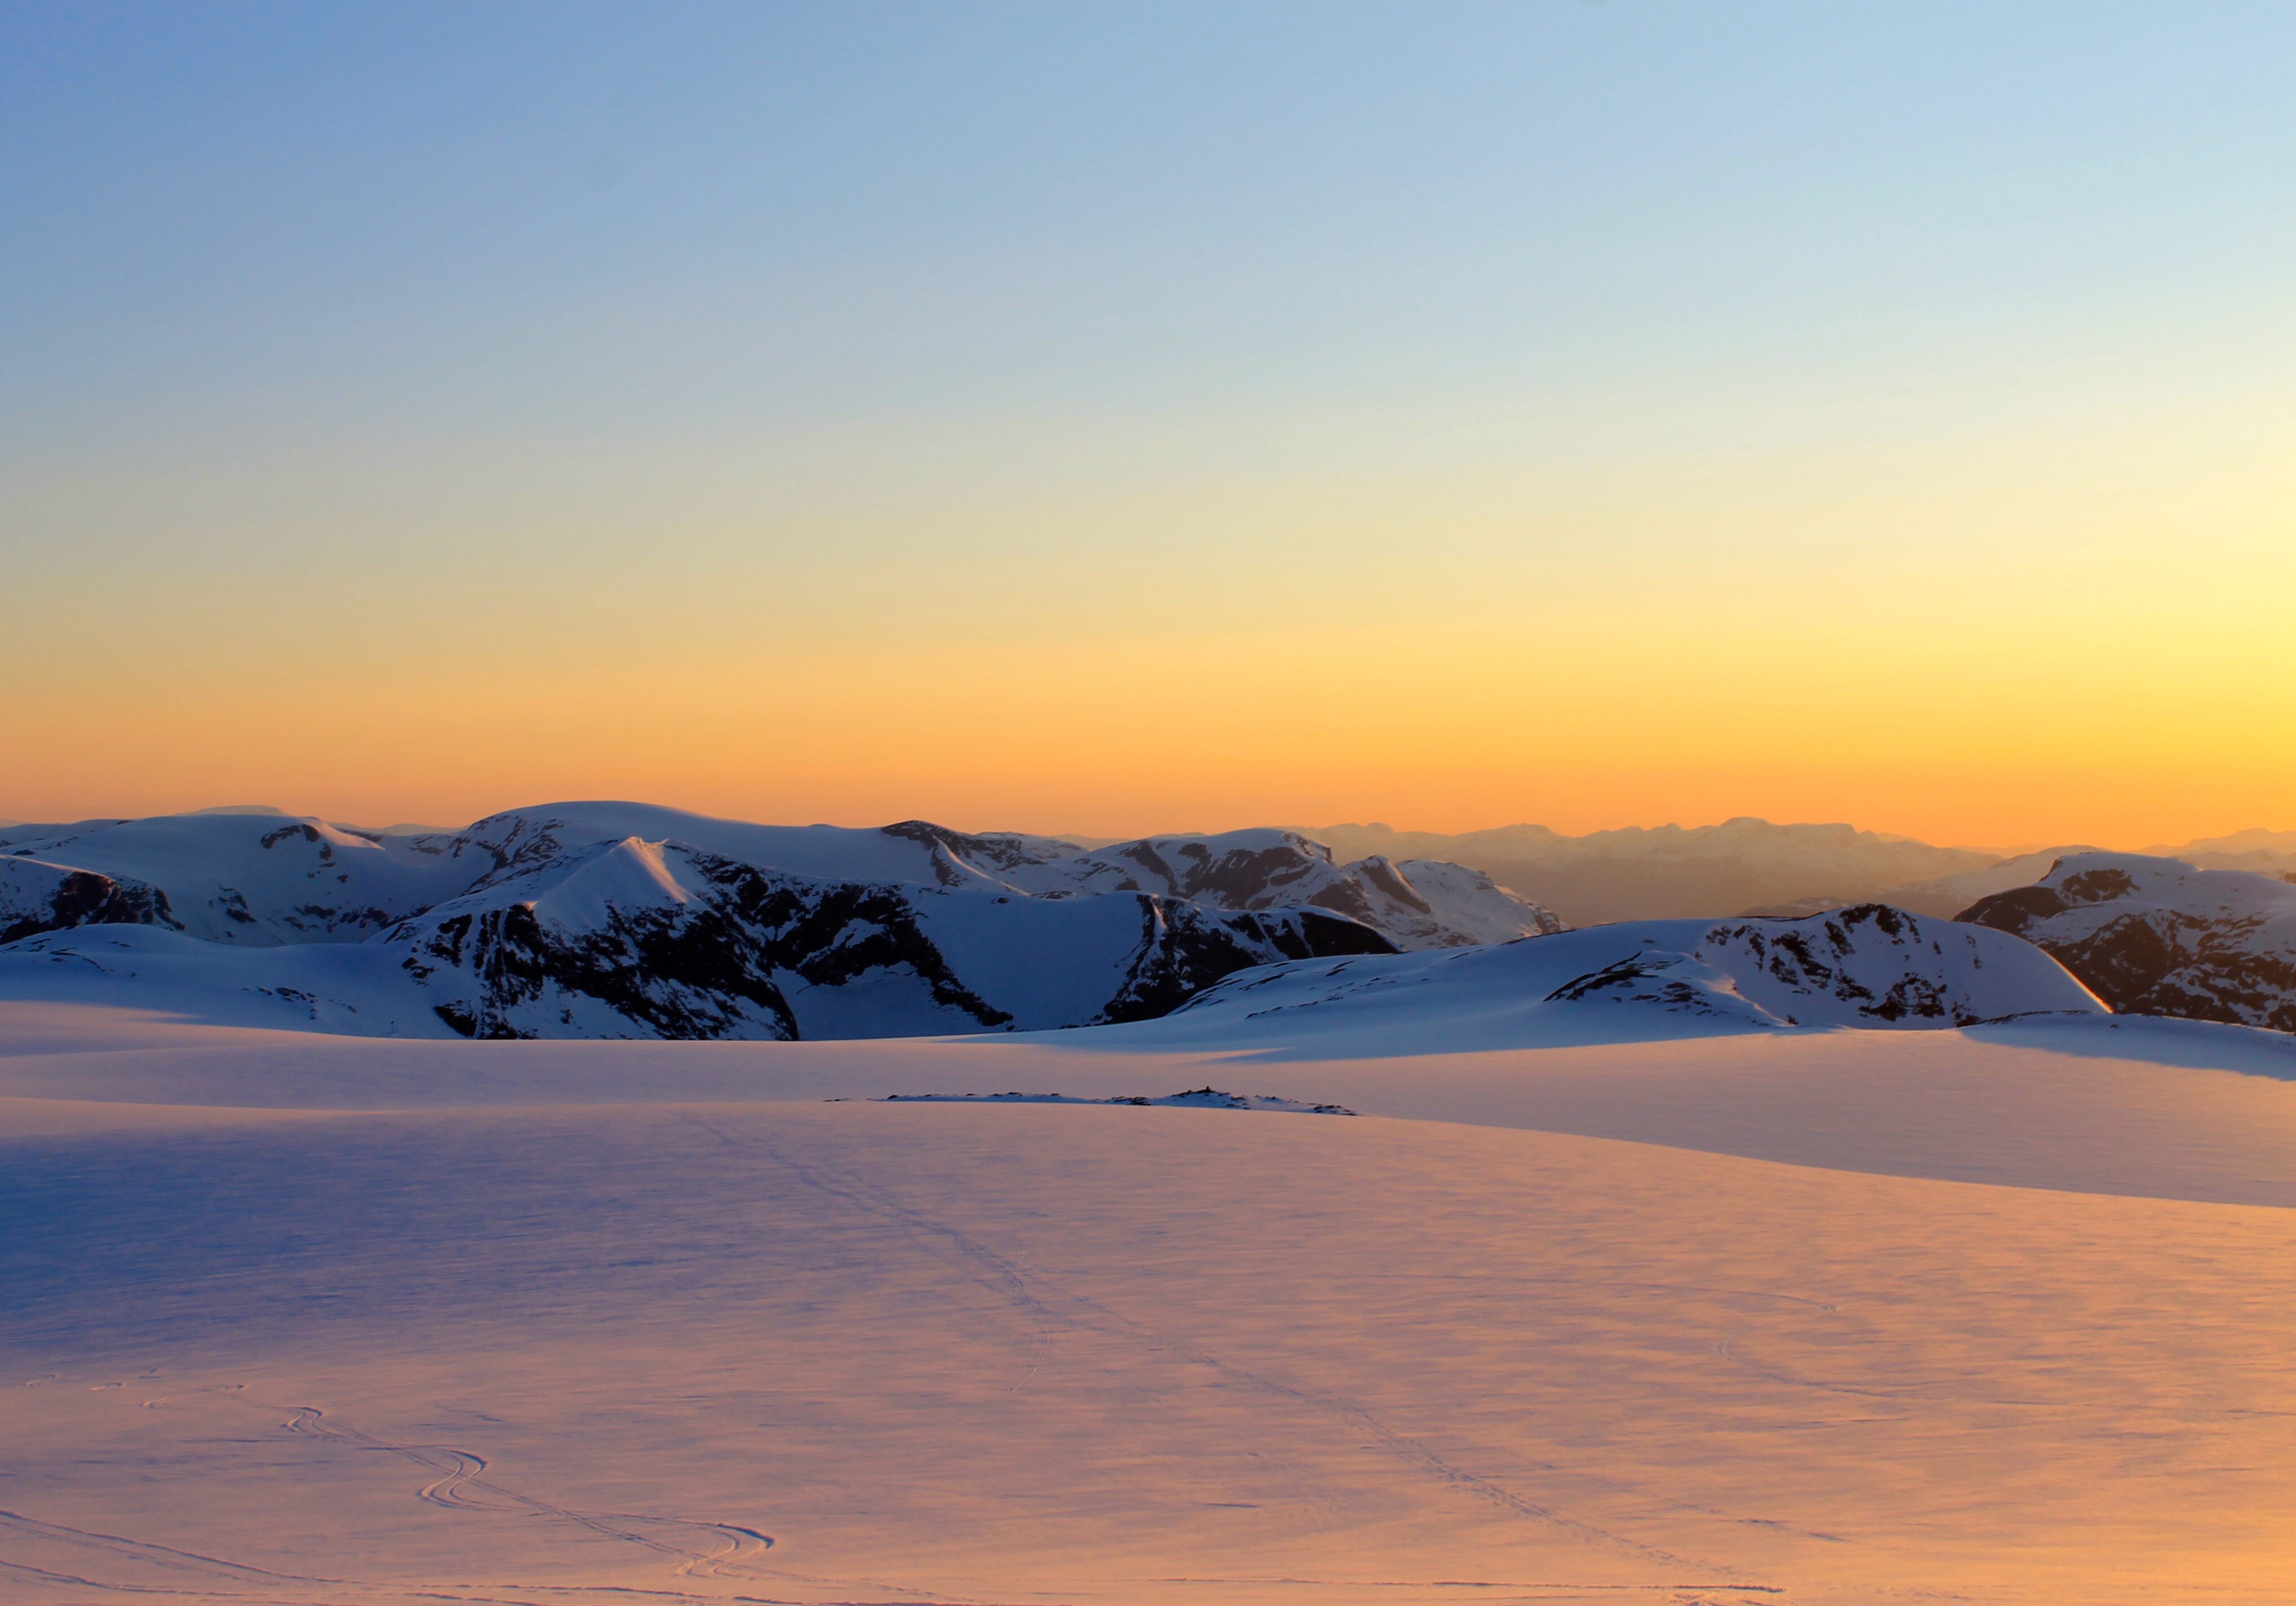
(2161, 937)
(37, 896)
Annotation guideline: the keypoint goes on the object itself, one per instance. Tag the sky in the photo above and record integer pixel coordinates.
(1122, 418)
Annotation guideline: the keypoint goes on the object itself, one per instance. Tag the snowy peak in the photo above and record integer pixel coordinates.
(598, 885)
(2161, 937)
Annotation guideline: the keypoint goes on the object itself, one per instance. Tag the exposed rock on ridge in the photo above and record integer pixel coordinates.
(2159, 936)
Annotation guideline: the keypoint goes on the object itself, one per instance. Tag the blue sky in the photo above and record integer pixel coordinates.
(869, 210)
(421, 322)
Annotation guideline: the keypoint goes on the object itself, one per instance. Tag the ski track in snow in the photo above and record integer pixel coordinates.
(119, 1547)
(459, 1471)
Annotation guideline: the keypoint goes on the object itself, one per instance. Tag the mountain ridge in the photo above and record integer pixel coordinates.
(610, 919)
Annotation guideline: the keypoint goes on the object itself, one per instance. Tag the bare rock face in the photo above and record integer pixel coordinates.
(2159, 936)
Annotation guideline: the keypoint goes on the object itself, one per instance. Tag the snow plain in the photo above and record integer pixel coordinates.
(1995, 1314)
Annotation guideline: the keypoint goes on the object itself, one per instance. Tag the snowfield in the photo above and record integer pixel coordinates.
(1819, 1315)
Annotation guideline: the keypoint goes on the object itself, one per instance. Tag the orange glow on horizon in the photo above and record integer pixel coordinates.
(1960, 642)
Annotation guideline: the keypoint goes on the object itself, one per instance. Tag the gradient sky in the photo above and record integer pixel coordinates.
(1120, 418)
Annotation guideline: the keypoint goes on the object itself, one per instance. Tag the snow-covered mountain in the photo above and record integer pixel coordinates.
(624, 920)
(651, 938)
(1869, 966)
(2265, 852)
(2161, 937)
(263, 879)
(253, 880)
(629, 919)
(642, 939)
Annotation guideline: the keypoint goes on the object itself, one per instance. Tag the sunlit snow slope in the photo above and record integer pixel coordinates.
(1869, 967)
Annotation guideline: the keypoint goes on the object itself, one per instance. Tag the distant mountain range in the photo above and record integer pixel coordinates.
(1746, 866)
(600, 920)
